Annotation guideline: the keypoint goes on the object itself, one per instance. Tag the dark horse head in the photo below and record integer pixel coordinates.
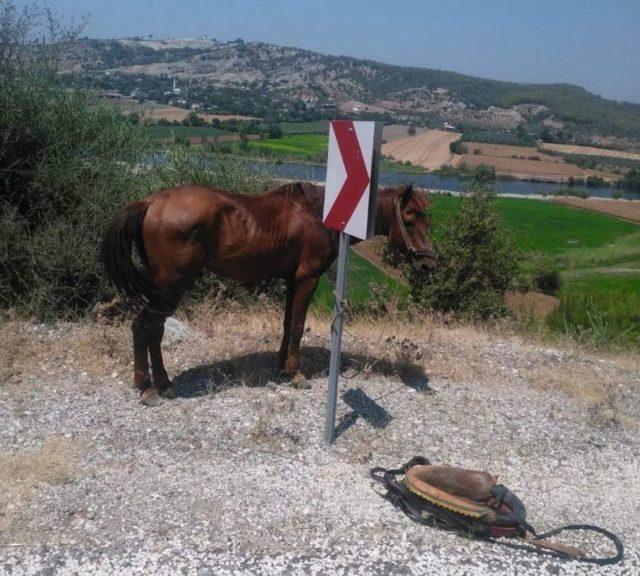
(402, 211)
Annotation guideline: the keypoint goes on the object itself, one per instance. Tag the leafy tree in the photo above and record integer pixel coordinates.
(477, 261)
(483, 173)
(631, 179)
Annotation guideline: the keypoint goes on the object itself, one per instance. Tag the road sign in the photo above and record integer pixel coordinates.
(348, 200)
(349, 206)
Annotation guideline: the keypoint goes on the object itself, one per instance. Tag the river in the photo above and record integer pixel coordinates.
(317, 172)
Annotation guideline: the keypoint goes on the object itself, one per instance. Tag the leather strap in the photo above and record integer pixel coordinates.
(407, 239)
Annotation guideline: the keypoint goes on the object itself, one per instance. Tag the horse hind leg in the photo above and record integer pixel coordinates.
(141, 378)
(148, 329)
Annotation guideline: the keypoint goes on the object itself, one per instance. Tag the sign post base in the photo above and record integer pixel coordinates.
(336, 338)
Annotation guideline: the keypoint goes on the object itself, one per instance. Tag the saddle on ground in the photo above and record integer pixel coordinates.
(472, 503)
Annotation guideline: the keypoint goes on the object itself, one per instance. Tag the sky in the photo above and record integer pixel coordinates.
(591, 43)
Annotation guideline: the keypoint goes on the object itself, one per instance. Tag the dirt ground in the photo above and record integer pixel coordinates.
(628, 209)
(231, 477)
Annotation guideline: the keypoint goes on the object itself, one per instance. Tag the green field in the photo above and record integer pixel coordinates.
(314, 127)
(162, 132)
(362, 274)
(309, 146)
(602, 308)
(545, 227)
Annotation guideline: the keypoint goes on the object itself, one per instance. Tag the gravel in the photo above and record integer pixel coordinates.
(237, 481)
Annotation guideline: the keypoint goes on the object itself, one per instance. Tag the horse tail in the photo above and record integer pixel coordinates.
(122, 242)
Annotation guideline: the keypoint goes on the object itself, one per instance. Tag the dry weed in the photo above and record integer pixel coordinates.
(20, 472)
(595, 389)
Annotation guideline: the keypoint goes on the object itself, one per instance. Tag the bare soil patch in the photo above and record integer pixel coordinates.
(627, 209)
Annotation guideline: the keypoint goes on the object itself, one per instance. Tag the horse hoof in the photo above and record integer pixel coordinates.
(300, 382)
(150, 398)
(169, 393)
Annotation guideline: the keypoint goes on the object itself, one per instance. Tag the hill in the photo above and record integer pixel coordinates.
(260, 79)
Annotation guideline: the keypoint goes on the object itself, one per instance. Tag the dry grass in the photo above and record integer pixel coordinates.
(531, 305)
(595, 389)
(234, 345)
(28, 349)
(20, 472)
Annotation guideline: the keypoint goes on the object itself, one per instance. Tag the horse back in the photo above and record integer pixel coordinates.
(246, 238)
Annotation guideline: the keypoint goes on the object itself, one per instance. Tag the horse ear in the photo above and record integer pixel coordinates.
(406, 196)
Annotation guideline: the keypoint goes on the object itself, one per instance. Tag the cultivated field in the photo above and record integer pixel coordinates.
(590, 151)
(628, 209)
(429, 150)
(523, 169)
(152, 112)
(395, 132)
(506, 151)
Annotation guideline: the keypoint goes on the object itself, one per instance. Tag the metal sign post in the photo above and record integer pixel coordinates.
(349, 206)
(336, 338)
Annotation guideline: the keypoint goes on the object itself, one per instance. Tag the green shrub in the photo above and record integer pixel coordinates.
(538, 272)
(477, 261)
(548, 281)
(458, 147)
(65, 163)
(631, 179)
(483, 173)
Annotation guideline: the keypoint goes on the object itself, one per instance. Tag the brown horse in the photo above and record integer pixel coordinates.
(179, 232)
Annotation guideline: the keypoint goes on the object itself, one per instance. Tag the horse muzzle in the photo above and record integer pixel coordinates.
(424, 260)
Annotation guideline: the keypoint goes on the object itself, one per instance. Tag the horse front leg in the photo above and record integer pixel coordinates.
(302, 293)
(286, 332)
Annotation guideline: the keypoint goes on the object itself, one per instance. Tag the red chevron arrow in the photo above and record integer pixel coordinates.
(357, 178)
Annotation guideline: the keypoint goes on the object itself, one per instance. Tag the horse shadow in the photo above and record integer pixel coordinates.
(260, 368)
